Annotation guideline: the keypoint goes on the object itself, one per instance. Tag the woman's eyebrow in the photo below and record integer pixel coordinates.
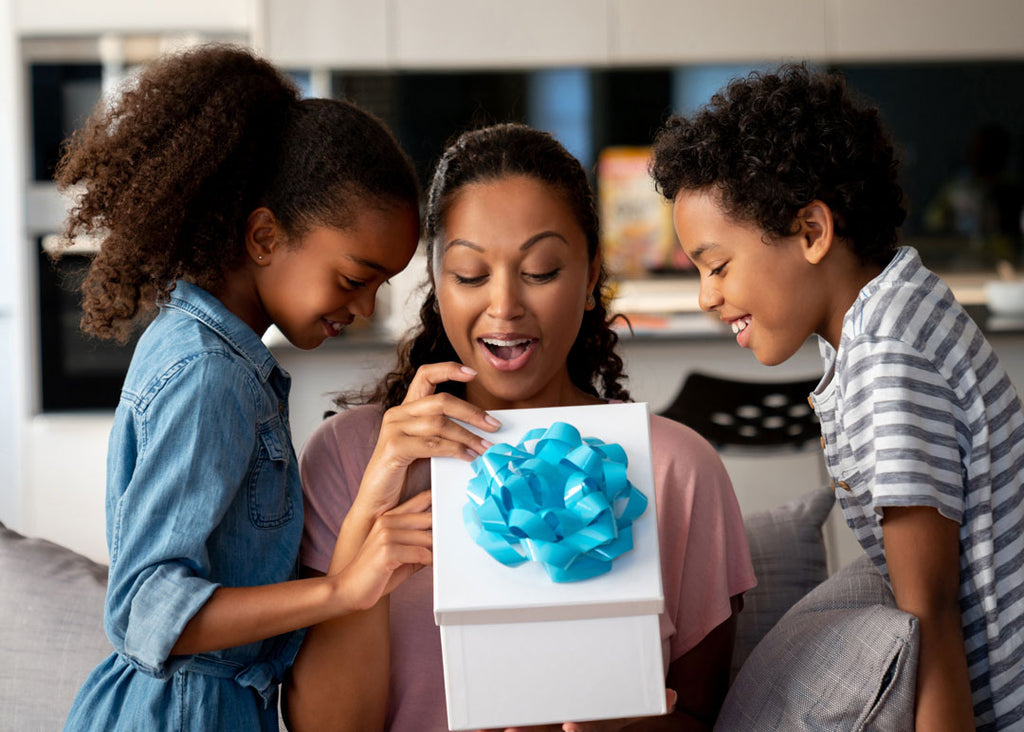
(463, 243)
(542, 235)
(525, 245)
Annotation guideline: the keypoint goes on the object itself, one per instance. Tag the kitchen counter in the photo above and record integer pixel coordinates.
(666, 309)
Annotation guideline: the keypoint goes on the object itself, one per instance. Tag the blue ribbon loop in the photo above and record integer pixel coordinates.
(554, 498)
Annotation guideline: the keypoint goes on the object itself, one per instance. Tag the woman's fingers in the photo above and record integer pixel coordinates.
(424, 384)
(428, 376)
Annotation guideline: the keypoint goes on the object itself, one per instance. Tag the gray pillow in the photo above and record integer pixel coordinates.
(51, 632)
(787, 550)
(844, 658)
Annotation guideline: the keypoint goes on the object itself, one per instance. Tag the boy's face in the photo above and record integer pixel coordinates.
(767, 293)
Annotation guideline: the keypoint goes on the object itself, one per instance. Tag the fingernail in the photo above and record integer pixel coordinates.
(487, 444)
(468, 370)
(471, 455)
(491, 421)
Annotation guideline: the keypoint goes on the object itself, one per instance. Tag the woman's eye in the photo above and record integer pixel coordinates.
(542, 276)
(350, 284)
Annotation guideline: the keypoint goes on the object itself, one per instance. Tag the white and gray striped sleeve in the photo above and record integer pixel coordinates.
(904, 429)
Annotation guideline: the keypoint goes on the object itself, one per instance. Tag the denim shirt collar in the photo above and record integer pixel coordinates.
(204, 307)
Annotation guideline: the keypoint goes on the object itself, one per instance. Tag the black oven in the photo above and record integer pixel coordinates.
(79, 372)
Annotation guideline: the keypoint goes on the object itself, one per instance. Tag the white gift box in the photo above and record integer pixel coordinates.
(520, 649)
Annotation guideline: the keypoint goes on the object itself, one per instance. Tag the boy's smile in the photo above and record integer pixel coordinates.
(769, 294)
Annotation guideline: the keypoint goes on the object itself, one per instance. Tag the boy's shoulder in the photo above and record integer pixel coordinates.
(906, 301)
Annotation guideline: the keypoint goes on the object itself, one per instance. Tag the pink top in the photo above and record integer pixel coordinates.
(704, 555)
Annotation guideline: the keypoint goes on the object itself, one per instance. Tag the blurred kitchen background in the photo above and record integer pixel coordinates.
(601, 75)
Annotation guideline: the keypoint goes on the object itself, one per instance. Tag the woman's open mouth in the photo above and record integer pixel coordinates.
(508, 354)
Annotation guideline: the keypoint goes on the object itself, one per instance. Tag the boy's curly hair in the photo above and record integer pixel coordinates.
(771, 143)
(490, 154)
(167, 175)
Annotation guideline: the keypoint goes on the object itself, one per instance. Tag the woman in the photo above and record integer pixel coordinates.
(513, 319)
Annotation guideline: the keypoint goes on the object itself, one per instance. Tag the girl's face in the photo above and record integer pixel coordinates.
(314, 288)
(768, 293)
(512, 275)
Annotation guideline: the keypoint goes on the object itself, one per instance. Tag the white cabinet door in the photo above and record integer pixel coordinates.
(698, 31)
(341, 34)
(78, 17)
(873, 30)
(500, 33)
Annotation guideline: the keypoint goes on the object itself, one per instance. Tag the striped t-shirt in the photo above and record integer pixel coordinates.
(916, 410)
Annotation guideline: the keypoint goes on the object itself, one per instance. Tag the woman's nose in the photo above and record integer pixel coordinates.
(708, 296)
(505, 298)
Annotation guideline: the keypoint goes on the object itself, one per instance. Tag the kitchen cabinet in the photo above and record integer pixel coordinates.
(874, 30)
(491, 34)
(695, 31)
(412, 34)
(349, 34)
(77, 18)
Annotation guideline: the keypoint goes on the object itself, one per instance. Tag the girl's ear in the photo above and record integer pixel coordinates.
(263, 234)
(816, 230)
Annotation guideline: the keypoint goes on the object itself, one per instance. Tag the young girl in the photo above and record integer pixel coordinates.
(234, 206)
(513, 318)
(785, 197)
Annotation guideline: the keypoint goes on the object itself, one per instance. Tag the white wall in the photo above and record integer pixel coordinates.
(13, 277)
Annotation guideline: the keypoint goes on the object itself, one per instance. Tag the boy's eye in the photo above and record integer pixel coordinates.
(717, 270)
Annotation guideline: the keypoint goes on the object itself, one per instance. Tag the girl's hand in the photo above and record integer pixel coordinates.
(399, 544)
(421, 426)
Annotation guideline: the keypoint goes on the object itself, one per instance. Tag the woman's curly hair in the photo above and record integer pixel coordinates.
(167, 176)
(490, 154)
(771, 143)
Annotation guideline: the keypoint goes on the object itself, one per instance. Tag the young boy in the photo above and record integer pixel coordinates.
(786, 199)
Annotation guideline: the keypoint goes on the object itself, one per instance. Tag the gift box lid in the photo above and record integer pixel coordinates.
(472, 587)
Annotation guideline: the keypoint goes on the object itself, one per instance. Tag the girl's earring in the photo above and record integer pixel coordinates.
(259, 257)
(591, 302)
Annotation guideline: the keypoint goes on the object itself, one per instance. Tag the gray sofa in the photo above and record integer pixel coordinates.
(811, 653)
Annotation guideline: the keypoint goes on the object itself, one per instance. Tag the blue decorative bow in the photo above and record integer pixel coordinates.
(567, 504)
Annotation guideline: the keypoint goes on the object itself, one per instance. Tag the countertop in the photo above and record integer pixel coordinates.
(665, 308)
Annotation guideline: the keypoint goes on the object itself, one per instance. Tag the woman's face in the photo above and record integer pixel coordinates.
(512, 275)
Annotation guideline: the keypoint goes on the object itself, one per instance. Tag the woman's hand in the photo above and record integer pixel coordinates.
(421, 426)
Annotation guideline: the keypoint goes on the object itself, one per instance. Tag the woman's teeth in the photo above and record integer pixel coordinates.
(506, 349)
(740, 325)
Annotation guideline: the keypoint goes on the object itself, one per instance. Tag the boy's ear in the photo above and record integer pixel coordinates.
(263, 234)
(816, 230)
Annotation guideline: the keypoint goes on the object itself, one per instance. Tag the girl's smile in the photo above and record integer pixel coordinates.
(314, 288)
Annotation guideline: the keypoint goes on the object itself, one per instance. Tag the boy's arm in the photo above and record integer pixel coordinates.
(922, 550)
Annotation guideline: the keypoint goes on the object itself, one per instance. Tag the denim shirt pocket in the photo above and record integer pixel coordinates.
(270, 504)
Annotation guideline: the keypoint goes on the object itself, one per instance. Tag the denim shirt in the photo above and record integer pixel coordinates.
(202, 491)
